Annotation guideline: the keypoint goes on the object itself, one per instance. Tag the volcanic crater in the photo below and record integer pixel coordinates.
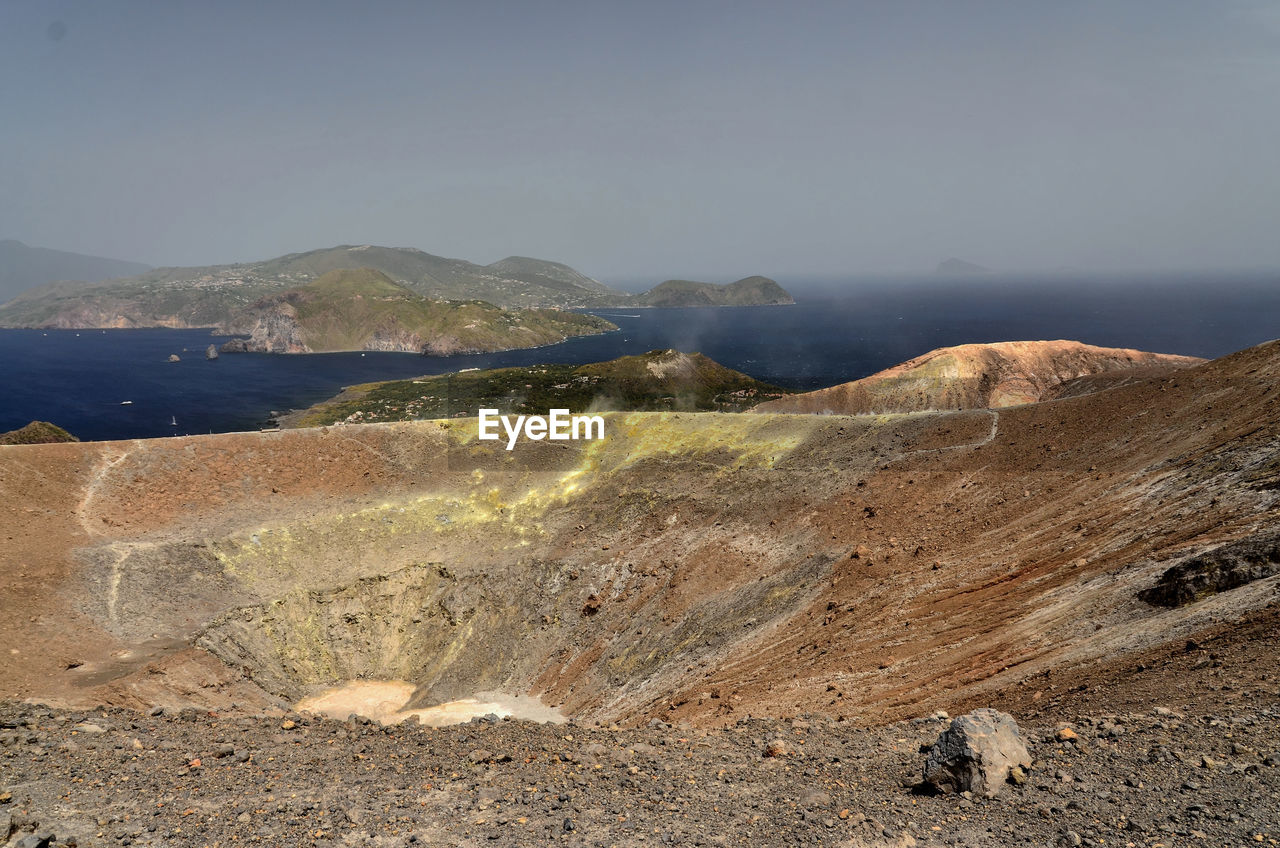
(690, 567)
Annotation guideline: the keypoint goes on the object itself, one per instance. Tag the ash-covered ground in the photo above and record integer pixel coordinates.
(115, 777)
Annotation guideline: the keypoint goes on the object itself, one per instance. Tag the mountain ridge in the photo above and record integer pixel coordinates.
(208, 296)
(982, 376)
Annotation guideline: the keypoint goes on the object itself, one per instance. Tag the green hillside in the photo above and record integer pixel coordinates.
(211, 296)
(219, 295)
(657, 380)
(36, 433)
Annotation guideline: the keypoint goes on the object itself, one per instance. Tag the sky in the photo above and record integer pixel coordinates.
(655, 138)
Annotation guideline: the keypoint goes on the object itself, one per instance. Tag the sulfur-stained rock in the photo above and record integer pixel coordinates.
(976, 753)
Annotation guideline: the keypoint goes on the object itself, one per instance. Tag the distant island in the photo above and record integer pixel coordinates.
(212, 296)
(657, 380)
(749, 291)
(364, 309)
(959, 266)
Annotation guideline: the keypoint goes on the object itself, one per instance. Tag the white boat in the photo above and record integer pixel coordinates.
(125, 402)
(174, 422)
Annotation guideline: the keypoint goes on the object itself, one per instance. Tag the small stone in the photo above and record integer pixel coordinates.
(776, 748)
(1070, 838)
(89, 729)
(815, 798)
(1210, 763)
(1066, 734)
(288, 724)
(1017, 776)
(156, 711)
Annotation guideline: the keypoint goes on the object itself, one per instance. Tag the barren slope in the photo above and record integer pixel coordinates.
(691, 566)
(980, 376)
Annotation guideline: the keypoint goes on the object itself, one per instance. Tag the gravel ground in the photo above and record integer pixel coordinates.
(115, 777)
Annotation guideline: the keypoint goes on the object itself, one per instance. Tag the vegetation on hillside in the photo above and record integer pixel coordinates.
(657, 380)
(363, 309)
(211, 296)
(36, 433)
(218, 295)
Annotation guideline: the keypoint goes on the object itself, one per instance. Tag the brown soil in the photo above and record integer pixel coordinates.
(695, 568)
(983, 376)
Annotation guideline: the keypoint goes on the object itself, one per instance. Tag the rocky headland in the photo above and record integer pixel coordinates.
(363, 309)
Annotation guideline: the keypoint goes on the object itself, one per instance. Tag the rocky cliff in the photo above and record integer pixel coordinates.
(363, 309)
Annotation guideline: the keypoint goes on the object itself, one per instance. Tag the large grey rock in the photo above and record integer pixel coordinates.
(36, 840)
(1218, 570)
(976, 753)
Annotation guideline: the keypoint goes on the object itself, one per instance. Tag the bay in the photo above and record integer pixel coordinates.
(840, 329)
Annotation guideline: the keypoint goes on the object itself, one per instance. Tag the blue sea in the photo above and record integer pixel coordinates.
(118, 384)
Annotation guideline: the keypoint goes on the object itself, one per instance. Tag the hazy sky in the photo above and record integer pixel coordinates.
(649, 138)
